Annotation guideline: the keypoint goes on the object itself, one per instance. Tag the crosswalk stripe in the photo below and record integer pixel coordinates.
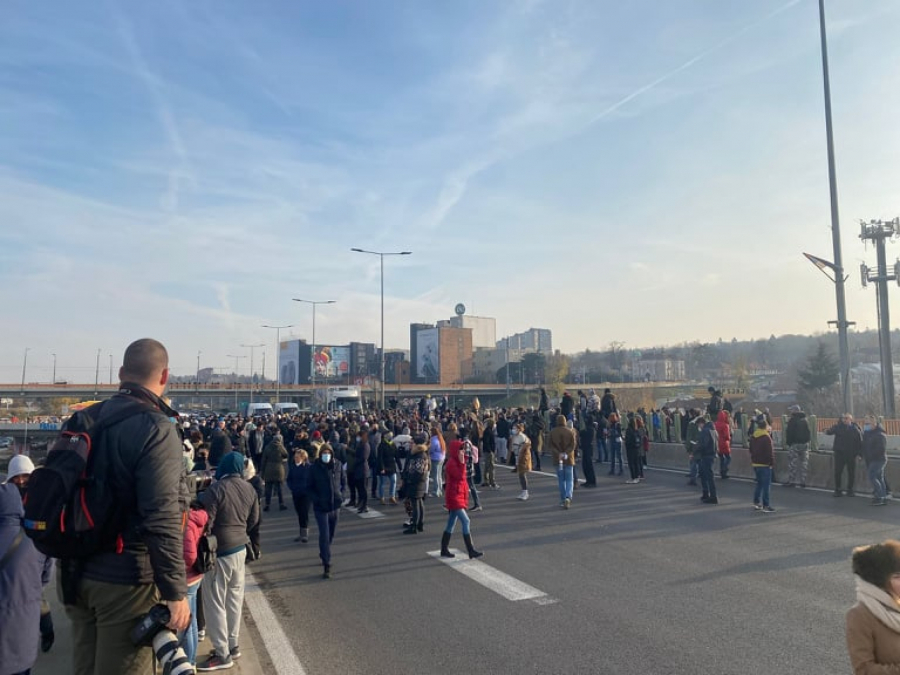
(493, 579)
(371, 513)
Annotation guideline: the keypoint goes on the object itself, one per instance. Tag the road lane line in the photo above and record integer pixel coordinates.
(279, 649)
(493, 579)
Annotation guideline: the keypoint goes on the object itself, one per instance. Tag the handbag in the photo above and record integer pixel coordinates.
(206, 553)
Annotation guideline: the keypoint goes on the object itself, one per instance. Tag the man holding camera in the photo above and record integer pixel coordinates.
(140, 458)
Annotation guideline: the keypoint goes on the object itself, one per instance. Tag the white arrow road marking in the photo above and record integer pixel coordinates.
(277, 644)
(492, 578)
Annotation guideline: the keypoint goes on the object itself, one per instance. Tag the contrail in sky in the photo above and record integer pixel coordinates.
(690, 62)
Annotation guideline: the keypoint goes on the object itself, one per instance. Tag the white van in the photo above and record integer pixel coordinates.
(287, 408)
(258, 410)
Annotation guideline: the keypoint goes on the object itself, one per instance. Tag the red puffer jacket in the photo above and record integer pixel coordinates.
(197, 520)
(456, 489)
(724, 430)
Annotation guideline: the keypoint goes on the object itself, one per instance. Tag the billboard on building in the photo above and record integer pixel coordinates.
(289, 362)
(428, 354)
(331, 362)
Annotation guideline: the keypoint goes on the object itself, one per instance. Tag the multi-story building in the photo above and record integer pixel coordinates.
(658, 370)
(532, 340)
(440, 354)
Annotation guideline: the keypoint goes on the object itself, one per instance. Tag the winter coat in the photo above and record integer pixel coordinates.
(563, 442)
(567, 404)
(298, 478)
(522, 446)
(21, 581)
(273, 458)
(233, 507)
(632, 438)
(387, 458)
(762, 452)
(219, 446)
(415, 473)
(874, 445)
(435, 451)
(797, 431)
(489, 442)
(608, 405)
(196, 524)
(361, 464)
(874, 648)
(723, 428)
(325, 485)
(456, 487)
(708, 443)
(847, 438)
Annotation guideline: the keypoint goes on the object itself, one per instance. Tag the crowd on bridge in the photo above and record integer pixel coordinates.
(184, 530)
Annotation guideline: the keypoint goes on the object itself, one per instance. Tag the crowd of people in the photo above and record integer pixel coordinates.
(210, 479)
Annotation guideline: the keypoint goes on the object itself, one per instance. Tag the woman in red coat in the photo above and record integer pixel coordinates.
(456, 495)
(723, 428)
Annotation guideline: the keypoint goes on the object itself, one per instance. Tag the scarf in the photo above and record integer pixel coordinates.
(882, 605)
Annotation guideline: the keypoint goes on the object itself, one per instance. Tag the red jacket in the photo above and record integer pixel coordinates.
(724, 431)
(197, 520)
(456, 489)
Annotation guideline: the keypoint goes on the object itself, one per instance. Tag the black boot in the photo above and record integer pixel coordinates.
(445, 542)
(326, 574)
(410, 530)
(473, 552)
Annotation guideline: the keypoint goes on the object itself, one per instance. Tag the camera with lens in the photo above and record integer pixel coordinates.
(151, 631)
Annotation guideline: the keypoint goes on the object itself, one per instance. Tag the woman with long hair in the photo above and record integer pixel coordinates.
(437, 452)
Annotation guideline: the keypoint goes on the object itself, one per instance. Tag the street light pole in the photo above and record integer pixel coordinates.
(54, 368)
(110, 368)
(381, 255)
(313, 362)
(842, 323)
(97, 374)
(251, 348)
(278, 330)
(24, 366)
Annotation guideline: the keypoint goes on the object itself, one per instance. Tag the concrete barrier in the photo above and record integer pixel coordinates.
(820, 473)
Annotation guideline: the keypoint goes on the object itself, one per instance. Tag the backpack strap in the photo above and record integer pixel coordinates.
(12, 548)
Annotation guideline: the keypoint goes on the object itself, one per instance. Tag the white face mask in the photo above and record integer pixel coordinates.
(326, 457)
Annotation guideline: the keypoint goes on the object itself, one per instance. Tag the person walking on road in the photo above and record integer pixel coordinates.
(521, 446)
(415, 482)
(707, 448)
(361, 471)
(456, 497)
(585, 447)
(796, 438)
(386, 466)
(488, 452)
(325, 480)
(847, 447)
(874, 450)
(873, 623)
(762, 459)
(273, 471)
(437, 452)
(298, 484)
(563, 445)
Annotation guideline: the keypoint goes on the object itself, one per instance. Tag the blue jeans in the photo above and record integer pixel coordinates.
(763, 484)
(724, 463)
(602, 451)
(615, 453)
(327, 524)
(694, 468)
(189, 638)
(392, 480)
(707, 479)
(566, 476)
(876, 477)
(462, 516)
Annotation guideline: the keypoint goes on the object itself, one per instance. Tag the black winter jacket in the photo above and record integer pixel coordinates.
(141, 458)
(797, 431)
(325, 485)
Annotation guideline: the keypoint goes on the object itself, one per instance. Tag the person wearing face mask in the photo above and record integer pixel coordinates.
(298, 483)
(874, 450)
(324, 491)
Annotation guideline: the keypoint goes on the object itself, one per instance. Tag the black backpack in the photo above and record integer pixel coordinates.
(71, 511)
(207, 545)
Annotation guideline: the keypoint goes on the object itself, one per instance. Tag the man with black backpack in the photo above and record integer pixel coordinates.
(134, 499)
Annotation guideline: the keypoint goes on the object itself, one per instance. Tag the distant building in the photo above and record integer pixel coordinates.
(486, 362)
(532, 340)
(658, 370)
(484, 329)
(440, 354)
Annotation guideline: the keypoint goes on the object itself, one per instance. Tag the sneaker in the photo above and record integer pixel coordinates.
(757, 507)
(282, 508)
(632, 482)
(216, 662)
(362, 510)
(297, 540)
(201, 634)
(477, 508)
(566, 503)
(235, 652)
(768, 509)
(523, 496)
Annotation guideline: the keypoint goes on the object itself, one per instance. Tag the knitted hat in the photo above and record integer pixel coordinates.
(18, 466)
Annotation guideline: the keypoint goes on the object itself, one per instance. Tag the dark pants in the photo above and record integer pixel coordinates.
(473, 491)
(587, 465)
(707, 480)
(418, 512)
(374, 484)
(602, 450)
(842, 460)
(478, 480)
(301, 505)
(326, 521)
(270, 485)
(634, 462)
(362, 495)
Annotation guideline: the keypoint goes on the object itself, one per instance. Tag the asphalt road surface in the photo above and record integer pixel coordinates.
(637, 579)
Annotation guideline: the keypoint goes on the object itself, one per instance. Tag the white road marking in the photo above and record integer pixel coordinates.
(370, 513)
(493, 579)
(276, 642)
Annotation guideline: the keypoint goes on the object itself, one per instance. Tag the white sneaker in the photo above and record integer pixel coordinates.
(632, 482)
(523, 495)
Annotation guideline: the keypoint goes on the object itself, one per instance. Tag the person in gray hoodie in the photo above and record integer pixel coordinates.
(23, 573)
(233, 509)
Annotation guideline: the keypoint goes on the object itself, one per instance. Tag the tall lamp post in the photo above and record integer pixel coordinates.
(314, 303)
(236, 357)
(251, 348)
(381, 255)
(54, 368)
(277, 330)
(97, 375)
(24, 366)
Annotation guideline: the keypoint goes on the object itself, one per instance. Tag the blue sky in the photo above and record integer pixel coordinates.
(636, 171)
